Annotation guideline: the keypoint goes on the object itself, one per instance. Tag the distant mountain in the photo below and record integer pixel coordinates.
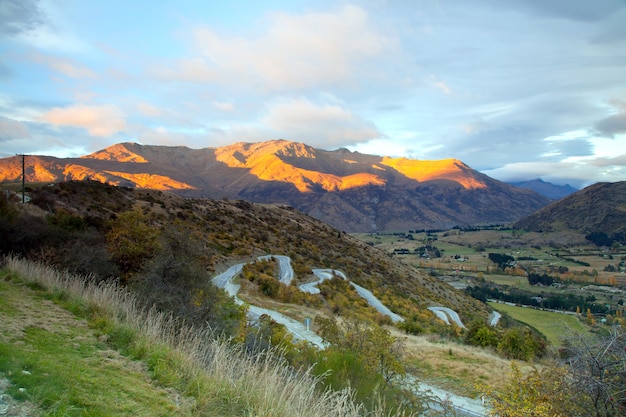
(349, 190)
(600, 207)
(547, 189)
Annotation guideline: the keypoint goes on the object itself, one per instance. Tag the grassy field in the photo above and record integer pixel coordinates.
(456, 367)
(555, 326)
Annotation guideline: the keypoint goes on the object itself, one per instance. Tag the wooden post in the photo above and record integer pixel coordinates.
(23, 180)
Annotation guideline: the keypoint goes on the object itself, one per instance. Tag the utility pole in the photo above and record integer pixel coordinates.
(23, 178)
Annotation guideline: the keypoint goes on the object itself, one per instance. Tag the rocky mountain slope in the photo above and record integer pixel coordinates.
(598, 208)
(351, 191)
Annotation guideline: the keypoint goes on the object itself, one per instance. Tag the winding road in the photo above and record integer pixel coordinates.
(444, 313)
(463, 406)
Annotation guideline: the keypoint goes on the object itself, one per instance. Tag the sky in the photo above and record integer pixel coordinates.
(517, 89)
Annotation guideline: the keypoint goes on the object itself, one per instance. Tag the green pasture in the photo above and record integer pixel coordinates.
(555, 326)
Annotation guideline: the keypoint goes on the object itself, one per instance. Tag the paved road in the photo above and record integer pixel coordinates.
(297, 329)
(324, 274)
(375, 302)
(495, 318)
(462, 406)
(443, 313)
(284, 264)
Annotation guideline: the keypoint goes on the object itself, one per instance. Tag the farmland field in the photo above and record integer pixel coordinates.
(555, 326)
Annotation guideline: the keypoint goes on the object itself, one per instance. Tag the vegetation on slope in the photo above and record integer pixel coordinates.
(165, 250)
(72, 366)
(93, 228)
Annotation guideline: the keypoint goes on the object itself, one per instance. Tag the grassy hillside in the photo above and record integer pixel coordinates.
(92, 228)
(164, 250)
(78, 350)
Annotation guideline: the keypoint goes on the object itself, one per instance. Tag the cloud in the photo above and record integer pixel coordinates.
(614, 124)
(604, 162)
(324, 126)
(67, 67)
(223, 106)
(578, 172)
(581, 10)
(440, 85)
(102, 121)
(18, 16)
(296, 51)
(149, 110)
(12, 129)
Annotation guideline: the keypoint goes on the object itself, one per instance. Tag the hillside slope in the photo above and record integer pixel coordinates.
(223, 233)
(353, 192)
(598, 208)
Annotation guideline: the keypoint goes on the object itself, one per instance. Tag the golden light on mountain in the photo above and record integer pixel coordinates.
(449, 169)
(273, 168)
(152, 181)
(119, 153)
(266, 161)
(349, 190)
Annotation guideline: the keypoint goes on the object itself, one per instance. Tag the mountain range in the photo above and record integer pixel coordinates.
(548, 189)
(351, 191)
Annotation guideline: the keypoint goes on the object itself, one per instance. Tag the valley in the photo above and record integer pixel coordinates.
(595, 276)
(357, 310)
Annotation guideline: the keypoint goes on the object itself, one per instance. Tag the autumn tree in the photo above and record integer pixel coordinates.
(547, 393)
(131, 240)
(590, 380)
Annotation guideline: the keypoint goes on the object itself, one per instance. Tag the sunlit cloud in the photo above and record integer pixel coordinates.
(323, 125)
(292, 53)
(102, 121)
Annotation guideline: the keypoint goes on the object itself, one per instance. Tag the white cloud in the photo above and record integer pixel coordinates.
(104, 120)
(576, 171)
(223, 105)
(440, 85)
(320, 125)
(12, 129)
(296, 51)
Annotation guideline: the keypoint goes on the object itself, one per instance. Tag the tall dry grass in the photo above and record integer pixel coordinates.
(256, 385)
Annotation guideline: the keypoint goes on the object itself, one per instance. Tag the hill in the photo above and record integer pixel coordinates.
(599, 208)
(547, 189)
(94, 228)
(351, 191)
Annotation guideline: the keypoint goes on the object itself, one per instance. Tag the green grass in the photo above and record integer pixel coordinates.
(57, 362)
(94, 353)
(555, 326)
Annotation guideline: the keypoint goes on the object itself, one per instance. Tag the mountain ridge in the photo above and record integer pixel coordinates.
(552, 191)
(600, 207)
(352, 191)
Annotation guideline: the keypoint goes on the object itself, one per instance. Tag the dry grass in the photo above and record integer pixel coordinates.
(457, 368)
(225, 379)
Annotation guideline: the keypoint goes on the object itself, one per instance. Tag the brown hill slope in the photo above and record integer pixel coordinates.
(351, 191)
(79, 215)
(598, 208)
